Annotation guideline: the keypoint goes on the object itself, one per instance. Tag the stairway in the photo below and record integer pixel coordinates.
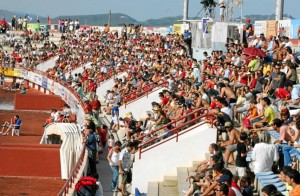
(176, 185)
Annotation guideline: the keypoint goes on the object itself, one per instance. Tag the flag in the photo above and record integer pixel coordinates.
(49, 20)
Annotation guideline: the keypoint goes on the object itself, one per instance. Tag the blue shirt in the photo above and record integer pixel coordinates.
(91, 142)
(18, 123)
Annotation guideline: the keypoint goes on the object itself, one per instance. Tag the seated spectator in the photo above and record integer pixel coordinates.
(8, 125)
(270, 190)
(294, 149)
(293, 179)
(267, 117)
(213, 150)
(283, 175)
(246, 188)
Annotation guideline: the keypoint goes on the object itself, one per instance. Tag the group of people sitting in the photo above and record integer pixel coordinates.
(253, 93)
(14, 126)
(63, 116)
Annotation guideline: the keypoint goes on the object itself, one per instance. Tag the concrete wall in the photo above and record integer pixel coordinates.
(107, 85)
(47, 64)
(78, 70)
(163, 160)
(140, 106)
(38, 102)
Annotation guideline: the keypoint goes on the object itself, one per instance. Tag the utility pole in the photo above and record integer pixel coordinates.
(185, 10)
(109, 18)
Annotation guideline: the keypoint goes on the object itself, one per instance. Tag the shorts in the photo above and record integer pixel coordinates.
(222, 10)
(232, 148)
(126, 178)
(241, 171)
(242, 108)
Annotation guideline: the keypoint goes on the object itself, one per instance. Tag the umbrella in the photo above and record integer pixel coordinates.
(252, 51)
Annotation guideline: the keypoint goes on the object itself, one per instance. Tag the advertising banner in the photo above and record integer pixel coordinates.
(260, 27)
(284, 28)
(295, 29)
(7, 71)
(45, 82)
(272, 26)
(177, 29)
(18, 72)
(50, 85)
(33, 26)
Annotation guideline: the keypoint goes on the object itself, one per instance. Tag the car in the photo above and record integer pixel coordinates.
(4, 26)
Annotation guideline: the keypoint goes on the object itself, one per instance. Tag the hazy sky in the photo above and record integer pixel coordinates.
(138, 9)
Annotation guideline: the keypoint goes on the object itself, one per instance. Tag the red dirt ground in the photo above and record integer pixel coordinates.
(30, 132)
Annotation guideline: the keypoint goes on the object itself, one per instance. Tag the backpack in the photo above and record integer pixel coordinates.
(86, 186)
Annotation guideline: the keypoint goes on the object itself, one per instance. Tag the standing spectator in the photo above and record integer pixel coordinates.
(113, 159)
(111, 142)
(262, 157)
(125, 166)
(13, 23)
(240, 162)
(231, 144)
(96, 107)
(90, 140)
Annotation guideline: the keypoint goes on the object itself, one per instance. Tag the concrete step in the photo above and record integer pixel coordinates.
(153, 189)
(182, 174)
(169, 187)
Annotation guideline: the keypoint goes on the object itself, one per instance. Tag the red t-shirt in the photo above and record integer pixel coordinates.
(282, 93)
(95, 104)
(164, 101)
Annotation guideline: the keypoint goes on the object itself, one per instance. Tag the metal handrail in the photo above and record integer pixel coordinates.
(174, 130)
(126, 101)
(64, 190)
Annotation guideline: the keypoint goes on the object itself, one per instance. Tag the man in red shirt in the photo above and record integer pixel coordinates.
(96, 107)
(92, 87)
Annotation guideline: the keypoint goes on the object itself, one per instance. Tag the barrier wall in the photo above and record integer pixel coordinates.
(40, 160)
(47, 64)
(164, 159)
(71, 146)
(37, 102)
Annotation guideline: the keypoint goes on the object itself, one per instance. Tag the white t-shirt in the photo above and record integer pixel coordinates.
(263, 156)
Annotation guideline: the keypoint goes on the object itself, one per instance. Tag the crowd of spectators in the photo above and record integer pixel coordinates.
(248, 95)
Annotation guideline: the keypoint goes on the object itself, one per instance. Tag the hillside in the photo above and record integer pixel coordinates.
(119, 18)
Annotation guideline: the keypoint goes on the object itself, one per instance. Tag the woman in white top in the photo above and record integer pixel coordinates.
(113, 159)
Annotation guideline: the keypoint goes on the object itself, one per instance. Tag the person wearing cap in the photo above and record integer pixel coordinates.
(130, 125)
(231, 144)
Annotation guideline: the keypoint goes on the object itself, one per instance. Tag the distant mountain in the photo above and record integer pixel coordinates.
(265, 17)
(119, 18)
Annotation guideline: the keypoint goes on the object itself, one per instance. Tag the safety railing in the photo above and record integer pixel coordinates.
(143, 91)
(71, 180)
(154, 141)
